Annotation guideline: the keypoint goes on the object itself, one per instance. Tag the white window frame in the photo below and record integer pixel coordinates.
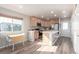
(11, 26)
(65, 25)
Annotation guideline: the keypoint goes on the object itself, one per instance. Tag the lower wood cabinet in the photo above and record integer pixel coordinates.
(33, 35)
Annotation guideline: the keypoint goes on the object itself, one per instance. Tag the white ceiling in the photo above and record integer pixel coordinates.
(40, 10)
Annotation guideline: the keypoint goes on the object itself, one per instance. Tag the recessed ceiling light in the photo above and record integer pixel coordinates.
(20, 6)
(64, 15)
(63, 11)
(42, 16)
(52, 12)
(55, 15)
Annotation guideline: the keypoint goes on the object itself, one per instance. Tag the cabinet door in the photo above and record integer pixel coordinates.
(46, 23)
(33, 22)
(36, 35)
(31, 35)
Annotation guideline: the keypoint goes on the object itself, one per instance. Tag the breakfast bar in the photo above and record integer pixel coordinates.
(48, 37)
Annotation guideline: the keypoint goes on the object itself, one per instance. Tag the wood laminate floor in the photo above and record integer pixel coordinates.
(65, 46)
(62, 46)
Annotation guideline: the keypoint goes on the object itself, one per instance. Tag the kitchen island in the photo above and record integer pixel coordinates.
(48, 37)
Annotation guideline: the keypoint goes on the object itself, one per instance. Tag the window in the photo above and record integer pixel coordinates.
(5, 24)
(17, 25)
(65, 25)
(10, 24)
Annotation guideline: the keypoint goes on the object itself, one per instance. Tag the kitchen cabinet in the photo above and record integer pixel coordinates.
(33, 21)
(45, 23)
(48, 37)
(33, 35)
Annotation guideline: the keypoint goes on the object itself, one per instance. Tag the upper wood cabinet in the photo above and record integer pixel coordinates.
(46, 23)
(33, 21)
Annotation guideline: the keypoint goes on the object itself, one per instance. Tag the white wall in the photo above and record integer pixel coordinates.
(26, 19)
(68, 31)
(10, 13)
(75, 29)
(26, 25)
(75, 33)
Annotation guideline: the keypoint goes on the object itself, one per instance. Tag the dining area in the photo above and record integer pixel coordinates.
(11, 40)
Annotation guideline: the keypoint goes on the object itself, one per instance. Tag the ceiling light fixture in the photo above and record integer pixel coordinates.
(20, 6)
(64, 11)
(42, 16)
(64, 15)
(52, 12)
(55, 15)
